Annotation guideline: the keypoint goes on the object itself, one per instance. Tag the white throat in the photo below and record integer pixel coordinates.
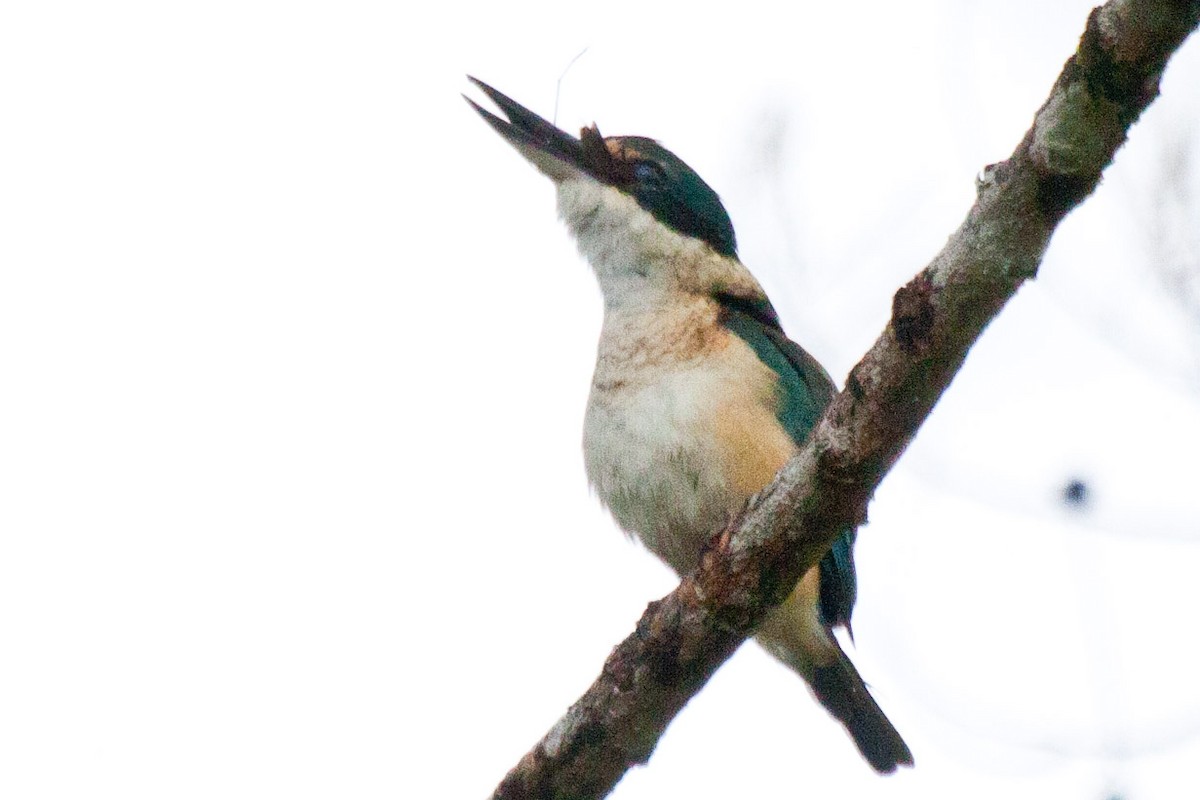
(636, 258)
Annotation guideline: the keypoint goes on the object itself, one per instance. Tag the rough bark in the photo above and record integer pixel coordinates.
(683, 638)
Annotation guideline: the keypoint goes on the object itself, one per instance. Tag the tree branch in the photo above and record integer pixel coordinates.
(753, 565)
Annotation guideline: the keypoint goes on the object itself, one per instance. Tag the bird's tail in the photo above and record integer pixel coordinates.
(794, 634)
(841, 690)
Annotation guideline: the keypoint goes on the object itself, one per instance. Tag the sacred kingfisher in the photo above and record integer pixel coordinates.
(698, 398)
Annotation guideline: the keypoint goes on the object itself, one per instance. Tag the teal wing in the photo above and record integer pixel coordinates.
(806, 390)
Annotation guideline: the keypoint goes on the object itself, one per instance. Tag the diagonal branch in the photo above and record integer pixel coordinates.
(682, 639)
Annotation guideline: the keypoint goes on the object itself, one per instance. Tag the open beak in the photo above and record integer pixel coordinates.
(556, 153)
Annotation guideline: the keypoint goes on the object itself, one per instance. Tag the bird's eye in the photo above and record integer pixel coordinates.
(647, 171)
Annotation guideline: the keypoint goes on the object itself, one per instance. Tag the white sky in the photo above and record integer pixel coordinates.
(293, 360)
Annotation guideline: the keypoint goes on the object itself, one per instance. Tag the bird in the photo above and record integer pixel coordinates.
(698, 398)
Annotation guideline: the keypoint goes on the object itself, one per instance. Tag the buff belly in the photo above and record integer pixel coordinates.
(676, 454)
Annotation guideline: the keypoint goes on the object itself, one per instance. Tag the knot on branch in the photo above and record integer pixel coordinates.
(912, 314)
(1101, 92)
(1058, 194)
(1119, 59)
(659, 631)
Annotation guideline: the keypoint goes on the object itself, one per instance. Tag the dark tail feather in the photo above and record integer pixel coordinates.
(842, 691)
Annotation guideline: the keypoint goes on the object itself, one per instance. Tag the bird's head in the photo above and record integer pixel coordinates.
(642, 217)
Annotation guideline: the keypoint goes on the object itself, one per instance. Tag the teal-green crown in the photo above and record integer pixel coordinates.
(671, 190)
